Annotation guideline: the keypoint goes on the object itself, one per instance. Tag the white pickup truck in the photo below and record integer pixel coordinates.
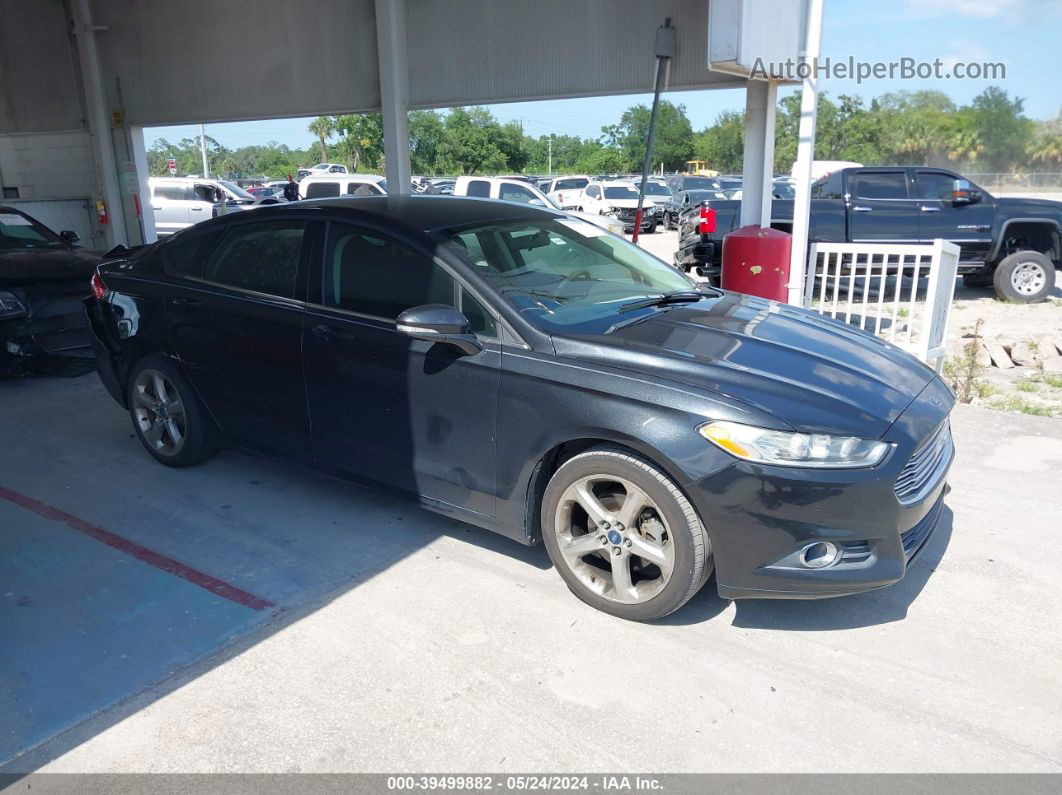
(514, 190)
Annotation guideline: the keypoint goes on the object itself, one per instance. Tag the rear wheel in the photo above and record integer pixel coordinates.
(1024, 276)
(166, 414)
(622, 535)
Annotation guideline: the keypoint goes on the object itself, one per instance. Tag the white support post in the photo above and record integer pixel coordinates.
(805, 155)
(147, 212)
(394, 92)
(99, 119)
(761, 97)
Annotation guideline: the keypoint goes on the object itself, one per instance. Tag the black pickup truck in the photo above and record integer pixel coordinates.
(1011, 244)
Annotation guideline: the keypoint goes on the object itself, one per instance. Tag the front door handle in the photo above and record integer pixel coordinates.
(326, 333)
(860, 209)
(926, 209)
(182, 300)
(196, 209)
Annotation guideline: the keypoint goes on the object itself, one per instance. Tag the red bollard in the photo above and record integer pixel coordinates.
(756, 262)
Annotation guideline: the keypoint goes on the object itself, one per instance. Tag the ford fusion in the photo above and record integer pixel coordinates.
(533, 374)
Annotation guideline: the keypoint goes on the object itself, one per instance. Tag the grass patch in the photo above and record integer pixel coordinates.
(1022, 406)
(902, 312)
(1053, 381)
(1027, 385)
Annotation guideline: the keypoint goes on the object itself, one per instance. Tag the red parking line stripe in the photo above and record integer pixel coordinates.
(169, 565)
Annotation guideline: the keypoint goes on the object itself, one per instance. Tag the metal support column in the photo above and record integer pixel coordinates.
(761, 97)
(147, 213)
(809, 106)
(99, 119)
(394, 92)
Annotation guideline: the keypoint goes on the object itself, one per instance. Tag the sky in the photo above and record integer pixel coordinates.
(1021, 34)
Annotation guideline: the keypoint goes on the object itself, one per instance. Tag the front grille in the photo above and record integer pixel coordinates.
(915, 538)
(926, 467)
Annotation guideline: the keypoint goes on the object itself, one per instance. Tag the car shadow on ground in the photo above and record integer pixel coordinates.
(881, 606)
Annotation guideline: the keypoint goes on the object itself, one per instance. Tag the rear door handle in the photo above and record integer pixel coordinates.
(326, 333)
(859, 209)
(926, 209)
(196, 209)
(182, 300)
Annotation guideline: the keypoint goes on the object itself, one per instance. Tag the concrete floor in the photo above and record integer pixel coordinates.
(397, 640)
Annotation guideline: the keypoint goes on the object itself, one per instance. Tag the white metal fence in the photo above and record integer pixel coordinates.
(879, 288)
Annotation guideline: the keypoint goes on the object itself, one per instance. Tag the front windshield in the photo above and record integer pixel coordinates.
(657, 189)
(17, 232)
(235, 189)
(621, 192)
(565, 274)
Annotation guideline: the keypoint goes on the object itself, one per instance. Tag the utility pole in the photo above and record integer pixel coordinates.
(549, 170)
(665, 51)
(202, 149)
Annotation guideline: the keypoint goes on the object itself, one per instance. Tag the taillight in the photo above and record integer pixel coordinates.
(99, 289)
(707, 223)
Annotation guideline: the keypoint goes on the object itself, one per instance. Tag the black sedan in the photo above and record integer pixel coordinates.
(532, 374)
(43, 280)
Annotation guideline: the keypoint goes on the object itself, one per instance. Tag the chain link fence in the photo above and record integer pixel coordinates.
(1039, 180)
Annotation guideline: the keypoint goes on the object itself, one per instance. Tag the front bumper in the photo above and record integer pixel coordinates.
(760, 517)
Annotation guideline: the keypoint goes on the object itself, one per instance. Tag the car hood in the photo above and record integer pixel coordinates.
(1031, 207)
(625, 203)
(25, 267)
(811, 373)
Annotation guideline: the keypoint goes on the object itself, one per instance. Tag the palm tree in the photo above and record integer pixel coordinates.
(322, 127)
(1046, 149)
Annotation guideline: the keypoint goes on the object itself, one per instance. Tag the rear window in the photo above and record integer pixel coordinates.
(322, 190)
(479, 188)
(570, 184)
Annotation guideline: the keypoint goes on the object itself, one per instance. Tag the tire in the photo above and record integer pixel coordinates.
(166, 414)
(669, 222)
(1025, 277)
(668, 532)
(976, 280)
(652, 229)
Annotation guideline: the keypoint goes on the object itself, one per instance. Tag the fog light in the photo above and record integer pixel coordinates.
(819, 555)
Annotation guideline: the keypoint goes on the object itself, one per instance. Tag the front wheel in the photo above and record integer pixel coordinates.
(622, 536)
(1025, 277)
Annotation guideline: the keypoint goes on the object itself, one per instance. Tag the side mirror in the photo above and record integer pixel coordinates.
(70, 236)
(962, 192)
(439, 323)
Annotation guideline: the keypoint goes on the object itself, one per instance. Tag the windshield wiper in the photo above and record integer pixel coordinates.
(680, 297)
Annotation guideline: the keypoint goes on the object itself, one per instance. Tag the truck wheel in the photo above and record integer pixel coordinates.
(1025, 277)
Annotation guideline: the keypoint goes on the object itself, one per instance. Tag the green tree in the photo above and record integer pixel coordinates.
(1002, 127)
(361, 139)
(427, 131)
(470, 145)
(722, 145)
(1045, 148)
(672, 145)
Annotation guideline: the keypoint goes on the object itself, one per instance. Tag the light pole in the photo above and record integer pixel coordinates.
(202, 149)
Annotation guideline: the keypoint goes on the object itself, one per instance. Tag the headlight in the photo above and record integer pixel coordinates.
(781, 448)
(10, 306)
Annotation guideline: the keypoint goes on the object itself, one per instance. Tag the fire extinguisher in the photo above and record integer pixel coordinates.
(101, 212)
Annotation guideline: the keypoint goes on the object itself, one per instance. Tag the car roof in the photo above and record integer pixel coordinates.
(612, 183)
(330, 177)
(425, 213)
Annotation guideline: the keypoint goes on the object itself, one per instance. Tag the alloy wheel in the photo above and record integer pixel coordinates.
(159, 412)
(1028, 278)
(614, 539)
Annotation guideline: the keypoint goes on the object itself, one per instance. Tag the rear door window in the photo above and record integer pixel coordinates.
(185, 255)
(373, 274)
(262, 257)
(879, 185)
(172, 192)
(479, 188)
